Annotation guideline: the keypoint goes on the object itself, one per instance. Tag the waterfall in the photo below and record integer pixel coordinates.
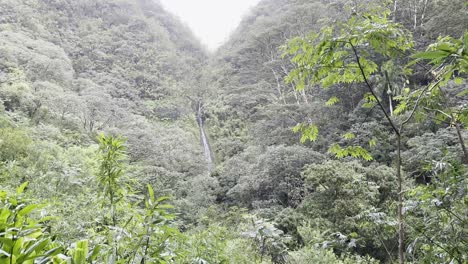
(203, 138)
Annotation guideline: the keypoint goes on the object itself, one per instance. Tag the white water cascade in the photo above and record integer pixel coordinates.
(203, 138)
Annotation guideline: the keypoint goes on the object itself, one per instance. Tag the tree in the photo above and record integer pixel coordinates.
(437, 212)
(355, 51)
(112, 156)
(442, 103)
(363, 50)
(353, 203)
(14, 144)
(273, 178)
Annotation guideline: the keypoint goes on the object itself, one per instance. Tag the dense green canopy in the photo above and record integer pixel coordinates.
(322, 131)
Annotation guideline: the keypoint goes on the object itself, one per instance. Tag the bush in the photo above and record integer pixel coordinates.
(14, 144)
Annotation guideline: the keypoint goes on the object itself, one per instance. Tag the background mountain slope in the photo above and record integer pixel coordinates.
(72, 69)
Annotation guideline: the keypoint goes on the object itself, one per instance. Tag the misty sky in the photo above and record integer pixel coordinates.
(211, 20)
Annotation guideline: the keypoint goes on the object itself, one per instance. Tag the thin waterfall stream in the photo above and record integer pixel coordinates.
(203, 138)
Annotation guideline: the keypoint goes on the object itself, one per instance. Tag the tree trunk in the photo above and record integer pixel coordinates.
(297, 98)
(462, 143)
(401, 229)
(401, 237)
(390, 104)
(389, 93)
(423, 13)
(278, 86)
(304, 96)
(293, 86)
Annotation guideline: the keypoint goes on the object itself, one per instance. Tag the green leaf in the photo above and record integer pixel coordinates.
(4, 214)
(337, 150)
(36, 247)
(349, 136)
(151, 193)
(21, 188)
(431, 55)
(458, 80)
(463, 93)
(308, 132)
(7, 242)
(370, 97)
(353, 151)
(297, 128)
(49, 254)
(332, 101)
(368, 105)
(94, 254)
(28, 209)
(18, 246)
(162, 199)
(401, 107)
(81, 252)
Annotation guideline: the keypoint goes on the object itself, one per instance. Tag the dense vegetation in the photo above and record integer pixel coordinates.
(324, 131)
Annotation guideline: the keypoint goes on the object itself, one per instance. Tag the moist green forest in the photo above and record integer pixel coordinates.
(322, 131)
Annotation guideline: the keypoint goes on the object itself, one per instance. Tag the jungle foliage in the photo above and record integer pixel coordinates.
(324, 131)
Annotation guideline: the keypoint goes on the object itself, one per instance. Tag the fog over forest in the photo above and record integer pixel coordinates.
(321, 131)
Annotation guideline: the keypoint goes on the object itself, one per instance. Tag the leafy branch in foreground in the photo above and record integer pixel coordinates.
(349, 53)
(353, 52)
(23, 240)
(449, 58)
(360, 51)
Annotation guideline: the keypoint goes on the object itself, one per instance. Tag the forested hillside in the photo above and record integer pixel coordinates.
(322, 131)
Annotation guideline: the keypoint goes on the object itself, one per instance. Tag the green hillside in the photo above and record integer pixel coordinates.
(320, 132)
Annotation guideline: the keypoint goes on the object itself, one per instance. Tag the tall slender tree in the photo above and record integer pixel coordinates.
(354, 52)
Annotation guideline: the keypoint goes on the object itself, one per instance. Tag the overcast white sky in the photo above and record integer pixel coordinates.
(211, 20)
